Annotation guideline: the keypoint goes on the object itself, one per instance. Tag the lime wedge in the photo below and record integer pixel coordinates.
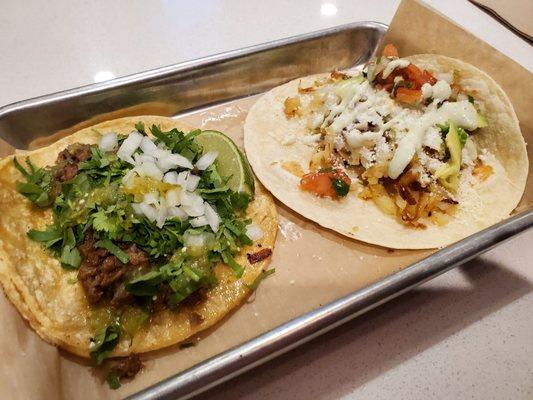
(230, 161)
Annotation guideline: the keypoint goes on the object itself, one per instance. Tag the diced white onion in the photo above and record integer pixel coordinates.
(194, 211)
(159, 152)
(137, 209)
(192, 240)
(173, 197)
(151, 198)
(192, 182)
(148, 211)
(140, 158)
(212, 217)
(161, 214)
(162, 160)
(171, 177)
(171, 160)
(108, 141)
(173, 212)
(182, 178)
(129, 145)
(254, 232)
(206, 160)
(198, 221)
(190, 199)
(150, 170)
(148, 147)
(129, 175)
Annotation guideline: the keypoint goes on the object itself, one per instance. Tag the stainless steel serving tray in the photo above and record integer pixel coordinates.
(181, 88)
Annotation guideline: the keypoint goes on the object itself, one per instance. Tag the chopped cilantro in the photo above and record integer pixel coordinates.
(261, 277)
(113, 249)
(72, 281)
(139, 126)
(104, 342)
(37, 188)
(444, 128)
(70, 255)
(48, 237)
(113, 380)
(341, 188)
(463, 136)
(228, 259)
(95, 202)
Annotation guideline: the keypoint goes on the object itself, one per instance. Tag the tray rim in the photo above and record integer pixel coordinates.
(181, 67)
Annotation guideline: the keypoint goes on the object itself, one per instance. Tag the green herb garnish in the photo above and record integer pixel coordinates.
(37, 187)
(113, 249)
(341, 188)
(96, 201)
(260, 278)
(113, 380)
(104, 342)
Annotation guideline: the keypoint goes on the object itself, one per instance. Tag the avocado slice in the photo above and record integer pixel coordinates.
(448, 174)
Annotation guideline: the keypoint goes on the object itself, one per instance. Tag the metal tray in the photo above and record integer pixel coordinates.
(182, 88)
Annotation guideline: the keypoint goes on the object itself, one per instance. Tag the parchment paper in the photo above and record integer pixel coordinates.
(313, 265)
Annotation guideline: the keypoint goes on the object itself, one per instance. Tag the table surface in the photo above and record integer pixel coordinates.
(467, 334)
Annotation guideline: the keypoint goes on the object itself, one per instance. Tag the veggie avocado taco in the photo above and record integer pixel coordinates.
(409, 153)
(130, 236)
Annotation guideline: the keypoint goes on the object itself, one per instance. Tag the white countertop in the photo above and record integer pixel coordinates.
(467, 334)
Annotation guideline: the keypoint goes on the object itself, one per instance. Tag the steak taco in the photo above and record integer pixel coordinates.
(413, 153)
(131, 235)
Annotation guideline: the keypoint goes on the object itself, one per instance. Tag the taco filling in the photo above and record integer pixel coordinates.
(143, 220)
(402, 134)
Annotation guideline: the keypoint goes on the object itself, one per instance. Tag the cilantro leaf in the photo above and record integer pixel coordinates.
(113, 380)
(341, 188)
(47, 237)
(145, 285)
(113, 249)
(139, 126)
(37, 187)
(228, 259)
(261, 277)
(70, 255)
(444, 128)
(463, 136)
(104, 342)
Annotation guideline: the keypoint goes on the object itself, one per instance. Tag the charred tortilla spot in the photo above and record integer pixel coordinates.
(259, 256)
(127, 367)
(196, 318)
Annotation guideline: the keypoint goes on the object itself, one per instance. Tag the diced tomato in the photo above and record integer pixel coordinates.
(388, 86)
(321, 182)
(408, 96)
(429, 78)
(418, 77)
(413, 80)
(390, 51)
